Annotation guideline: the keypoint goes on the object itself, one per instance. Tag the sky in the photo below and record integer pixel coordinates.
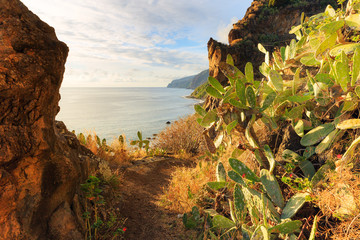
(136, 43)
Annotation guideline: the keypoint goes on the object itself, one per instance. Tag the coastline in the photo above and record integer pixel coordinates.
(200, 101)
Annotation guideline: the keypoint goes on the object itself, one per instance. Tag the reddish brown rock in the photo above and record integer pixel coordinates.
(41, 164)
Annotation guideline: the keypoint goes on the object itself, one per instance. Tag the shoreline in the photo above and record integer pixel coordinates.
(200, 101)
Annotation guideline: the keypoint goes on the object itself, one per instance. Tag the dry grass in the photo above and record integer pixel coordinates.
(117, 153)
(184, 136)
(340, 198)
(185, 184)
(187, 187)
(348, 230)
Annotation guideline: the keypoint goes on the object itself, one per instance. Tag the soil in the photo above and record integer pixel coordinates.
(144, 182)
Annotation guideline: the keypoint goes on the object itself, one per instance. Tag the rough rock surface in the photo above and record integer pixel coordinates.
(269, 26)
(41, 163)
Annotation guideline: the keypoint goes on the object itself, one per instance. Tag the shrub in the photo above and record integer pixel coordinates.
(184, 136)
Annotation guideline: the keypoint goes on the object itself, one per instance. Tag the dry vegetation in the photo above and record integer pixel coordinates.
(188, 186)
(339, 199)
(183, 136)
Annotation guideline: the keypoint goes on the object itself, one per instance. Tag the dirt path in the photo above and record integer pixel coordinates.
(143, 184)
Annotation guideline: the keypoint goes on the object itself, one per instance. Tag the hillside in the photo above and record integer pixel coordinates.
(190, 82)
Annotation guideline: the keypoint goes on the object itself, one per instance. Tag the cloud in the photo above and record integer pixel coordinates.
(149, 35)
(223, 31)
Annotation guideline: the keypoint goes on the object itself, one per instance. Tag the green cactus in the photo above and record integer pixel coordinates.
(327, 141)
(306, 166)
(193, 219)
(248, 134)
(220, 221)
(313, 101)
(199, 110)
(350, 152)
(209, 119)
(268, 101)
(240, 205)
(215, 83)
(240, 168)
(103, 142)
(270, 157)
(121, 139)
(261, 233)
(249, 72)
(240, 92)
(286, 227)
(220, 173)
(293, 205)
(253, 200)
(356, 67)
(271, 3)
(348, 49)
(313, 229)
(81, 138)
(236, 178)
(349, 124)
(320, 174)
(272, 188)
(317, 134)
(275, 81)
(250, 96)
(213, 92)
(342, 75)
(230, 60)
(98, 141)
(141, 143)
(217, 185)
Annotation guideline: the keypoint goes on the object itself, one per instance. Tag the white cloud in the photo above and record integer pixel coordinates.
(223, 31)
(149, 35)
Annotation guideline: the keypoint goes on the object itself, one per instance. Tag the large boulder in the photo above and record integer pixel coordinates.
(41, 163)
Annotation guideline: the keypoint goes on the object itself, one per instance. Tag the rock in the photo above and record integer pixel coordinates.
(40, 171)
(63, 225)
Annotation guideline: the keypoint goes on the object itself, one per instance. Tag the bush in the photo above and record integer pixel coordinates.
(182, 136)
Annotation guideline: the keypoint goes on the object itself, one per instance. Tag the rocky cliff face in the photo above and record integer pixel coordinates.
(261, 24)
(41, 163)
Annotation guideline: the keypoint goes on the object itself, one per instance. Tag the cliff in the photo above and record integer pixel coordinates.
(181, 82)
(269, 26)
(190, 82)
(41, 163)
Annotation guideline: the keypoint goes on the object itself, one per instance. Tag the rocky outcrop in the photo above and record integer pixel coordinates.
(41, 163)
(261, 24)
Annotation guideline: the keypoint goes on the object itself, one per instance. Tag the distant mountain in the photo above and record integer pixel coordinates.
(181, 82)
(190, 82)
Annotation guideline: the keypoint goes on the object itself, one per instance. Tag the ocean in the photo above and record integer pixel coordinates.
(111, 112)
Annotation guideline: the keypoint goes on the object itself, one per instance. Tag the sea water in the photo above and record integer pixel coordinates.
(111, 112)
